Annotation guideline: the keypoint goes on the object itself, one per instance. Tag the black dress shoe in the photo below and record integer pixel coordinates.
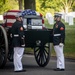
(57, 69)
(21, 71)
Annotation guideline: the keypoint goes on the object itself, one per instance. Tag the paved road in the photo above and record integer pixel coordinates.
(33, 69)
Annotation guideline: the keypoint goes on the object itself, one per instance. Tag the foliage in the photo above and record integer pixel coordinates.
(48, 6)
(73, 6)
(53, 6)
(7, 5)
(67, 5)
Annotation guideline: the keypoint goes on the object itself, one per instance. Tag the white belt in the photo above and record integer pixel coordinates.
(57, 34)
(16, 35)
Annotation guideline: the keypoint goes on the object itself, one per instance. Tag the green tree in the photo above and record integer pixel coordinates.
(73, 6)
(49, 6)
(55, 5)
(67, 5)
(8, 5)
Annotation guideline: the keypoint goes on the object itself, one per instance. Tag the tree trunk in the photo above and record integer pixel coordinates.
(66, 9)
(29, 4)
(4, 1)
(20, 4)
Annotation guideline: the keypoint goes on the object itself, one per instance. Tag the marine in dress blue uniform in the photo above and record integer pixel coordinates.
(58, 42)
(18, 42)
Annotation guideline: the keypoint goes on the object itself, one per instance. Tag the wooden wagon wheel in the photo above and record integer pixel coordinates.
(3, 47)
(42, 54)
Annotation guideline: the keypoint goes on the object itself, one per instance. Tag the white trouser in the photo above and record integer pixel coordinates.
(18, 54)
(60, 56)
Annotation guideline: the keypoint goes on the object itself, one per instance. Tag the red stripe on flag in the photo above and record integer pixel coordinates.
(9, 17)
(8, 24)
(14, 11)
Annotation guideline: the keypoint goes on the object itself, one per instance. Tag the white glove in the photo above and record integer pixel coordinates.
(11, 35)
(61, 44)
(23, 45)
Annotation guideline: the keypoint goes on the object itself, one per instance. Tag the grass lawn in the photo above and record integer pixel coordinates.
(69, 48)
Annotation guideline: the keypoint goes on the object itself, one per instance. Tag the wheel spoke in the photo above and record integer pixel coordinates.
(37, 49)
(37, 54)
(46, 51)
(42, 59)
(45, 56)
(46, 46)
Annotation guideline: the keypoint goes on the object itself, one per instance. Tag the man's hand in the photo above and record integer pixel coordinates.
(23, 45)
(61, 44)
(22, 42)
